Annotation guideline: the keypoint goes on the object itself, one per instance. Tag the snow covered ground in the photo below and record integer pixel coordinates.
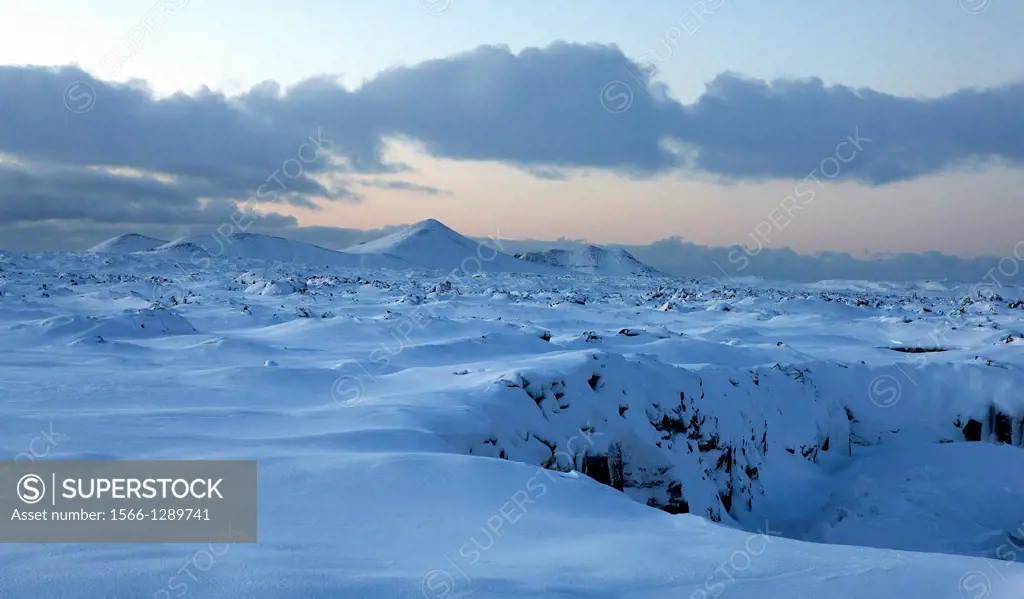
(425, 433)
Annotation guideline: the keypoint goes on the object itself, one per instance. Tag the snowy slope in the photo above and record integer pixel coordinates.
(593, 260)
(129, 242)
(431, 245)
(423, 436)
(952, 497)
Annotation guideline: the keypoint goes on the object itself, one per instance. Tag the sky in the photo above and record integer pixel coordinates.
(610, 122)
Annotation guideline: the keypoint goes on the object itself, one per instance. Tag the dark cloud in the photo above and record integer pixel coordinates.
(34, 192)
(748, 129)
(204, 135)
(43, 192)
(206, 148)
(544, 110)
(402, 186)
(541, 107)
(588, 106)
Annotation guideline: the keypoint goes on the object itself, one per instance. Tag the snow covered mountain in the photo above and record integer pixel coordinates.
(432, 245)
(129, 242)
(257, 247)
(427, 245)
(592, 259)
(200, 249)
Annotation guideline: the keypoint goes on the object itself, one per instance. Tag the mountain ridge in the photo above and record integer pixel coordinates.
(592, 259)
(427, 245)
(127, 243)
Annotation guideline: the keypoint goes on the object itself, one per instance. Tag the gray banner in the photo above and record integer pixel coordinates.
(50, 501)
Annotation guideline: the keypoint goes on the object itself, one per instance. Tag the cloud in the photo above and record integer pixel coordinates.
(35, 192)
(194, 149)
(541, 107)
(568, 106)
(545, 110)
(402, 186)
(749, 129)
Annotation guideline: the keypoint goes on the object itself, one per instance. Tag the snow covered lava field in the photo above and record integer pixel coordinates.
(425, 433)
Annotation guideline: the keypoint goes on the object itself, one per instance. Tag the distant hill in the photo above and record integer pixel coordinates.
(264, 247)
(432, 245)
(426, 245)
(129, 242)
(593, 260)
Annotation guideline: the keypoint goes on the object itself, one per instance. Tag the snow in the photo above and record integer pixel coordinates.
(441, 432)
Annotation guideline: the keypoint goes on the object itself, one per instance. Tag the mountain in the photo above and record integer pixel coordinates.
(593, 260)
(129, 242)
(429, 245)
(432, 245)
(265, 247)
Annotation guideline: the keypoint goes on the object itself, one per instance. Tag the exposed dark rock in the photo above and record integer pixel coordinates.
(596, 467)
(1003, 429)
(972, 430)
(616, 469)
(676, 503)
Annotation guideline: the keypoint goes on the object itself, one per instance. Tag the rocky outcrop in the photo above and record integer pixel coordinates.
(668, 437)
(698, 441)
(995, 426)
